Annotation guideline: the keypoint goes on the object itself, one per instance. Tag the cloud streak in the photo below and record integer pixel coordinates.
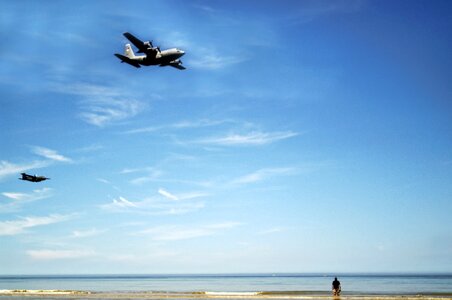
(120, 204)
(156, 205)
(316, 9)
(176, 233)
(168, 195)
(272, 230)
(183, 196)
(255, 138)
(59, 254)
(20, 226)
(7, 168)
(262, 174)
(50, 154)
(214, 61)
(179, 125)
(102, 105)
(33, 196)
(87, 233)
(152, 174)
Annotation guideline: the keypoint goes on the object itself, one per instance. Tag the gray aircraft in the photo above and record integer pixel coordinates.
(152, 55)
(32, 178)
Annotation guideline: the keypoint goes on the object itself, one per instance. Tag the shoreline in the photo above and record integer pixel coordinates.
(74, 294)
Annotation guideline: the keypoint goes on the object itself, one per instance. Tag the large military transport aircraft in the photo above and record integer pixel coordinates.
(152, 55)
(32, 178)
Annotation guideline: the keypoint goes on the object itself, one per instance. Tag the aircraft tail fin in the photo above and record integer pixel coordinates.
(128, 51)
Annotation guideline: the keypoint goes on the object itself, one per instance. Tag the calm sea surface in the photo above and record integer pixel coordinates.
(351, 284)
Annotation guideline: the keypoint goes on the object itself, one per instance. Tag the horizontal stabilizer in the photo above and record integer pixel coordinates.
(178, 66)
(127, 60)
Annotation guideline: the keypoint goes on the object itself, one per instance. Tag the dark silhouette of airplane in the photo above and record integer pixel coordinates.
(32, 178)
(152, 55)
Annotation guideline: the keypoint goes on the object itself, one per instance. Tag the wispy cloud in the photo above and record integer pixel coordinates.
(205, 8)
(206, 56)
(255, 138)
(35, 195)
(192, 195)
(66, 37)
(7, 168)
(120, 204)
(183, 196)
(102, 105)
(90, 148)
(167, 194)
(262, 174)
(175, 233)
(179, 125)
(87, 233)
(212, 61)
(17, 200)
(20, 226)
(50, 154)
(272, 230)
(144, 179)
(220, 16)
(150, 174)
(107, 182)
(59, 254)
(156, 205)
(103, 180)
(79, 39)
(316, 9)
(101, 112)
(152, 255)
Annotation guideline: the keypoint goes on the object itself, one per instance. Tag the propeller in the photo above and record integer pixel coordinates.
(148, 45)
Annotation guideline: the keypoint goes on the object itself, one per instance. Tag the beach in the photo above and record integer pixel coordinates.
(66, 294)
(226, 286)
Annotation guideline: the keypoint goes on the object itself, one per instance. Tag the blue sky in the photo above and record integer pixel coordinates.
(304, 136)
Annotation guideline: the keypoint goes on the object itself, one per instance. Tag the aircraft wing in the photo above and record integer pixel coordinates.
(127, 60)
(137, 42)
(175, 64)
(142, 46)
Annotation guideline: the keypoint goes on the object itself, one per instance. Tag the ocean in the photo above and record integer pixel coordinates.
(352, 284)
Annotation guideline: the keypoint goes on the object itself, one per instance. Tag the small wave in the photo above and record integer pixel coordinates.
(262, 294)
(43, 292)
(244, 294)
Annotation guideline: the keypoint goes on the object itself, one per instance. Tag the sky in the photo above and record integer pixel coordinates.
(304, 136)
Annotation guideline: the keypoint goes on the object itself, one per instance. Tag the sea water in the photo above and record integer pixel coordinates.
(318, 283)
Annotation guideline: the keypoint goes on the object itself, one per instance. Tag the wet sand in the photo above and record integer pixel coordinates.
(61, 294)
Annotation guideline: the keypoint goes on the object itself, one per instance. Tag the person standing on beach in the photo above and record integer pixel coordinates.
(336, 287)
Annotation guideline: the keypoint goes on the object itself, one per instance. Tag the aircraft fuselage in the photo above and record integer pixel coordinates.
(33, 178)
(162, 58)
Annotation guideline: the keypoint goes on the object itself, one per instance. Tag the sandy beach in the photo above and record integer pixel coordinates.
(66, 294)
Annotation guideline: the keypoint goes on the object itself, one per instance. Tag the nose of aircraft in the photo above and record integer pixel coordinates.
(181, 52)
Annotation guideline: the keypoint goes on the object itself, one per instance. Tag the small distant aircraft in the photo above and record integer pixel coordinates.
(153, 55)
(32, 178)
